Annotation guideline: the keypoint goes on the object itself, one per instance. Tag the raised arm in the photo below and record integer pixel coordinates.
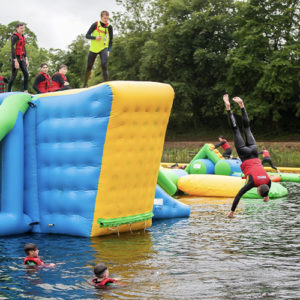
(248, 186)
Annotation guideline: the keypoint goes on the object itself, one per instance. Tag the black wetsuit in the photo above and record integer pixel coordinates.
(245, 150)
(22, 63)
(103, 54)
(227, 153)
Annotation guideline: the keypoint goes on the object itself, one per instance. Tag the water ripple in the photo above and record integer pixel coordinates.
(208, 256)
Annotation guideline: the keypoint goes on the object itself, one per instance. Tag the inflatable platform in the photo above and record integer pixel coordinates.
(210, 175)
(82, 162)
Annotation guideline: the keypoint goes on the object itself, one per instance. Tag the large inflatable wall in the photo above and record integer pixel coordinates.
(82, 162)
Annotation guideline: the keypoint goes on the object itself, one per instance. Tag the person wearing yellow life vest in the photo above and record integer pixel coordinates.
(101, 36)
(19, 57)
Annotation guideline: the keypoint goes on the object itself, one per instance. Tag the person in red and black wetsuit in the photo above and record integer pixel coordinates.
(102, 279)
(32, 257)
(226, 147)
(3, 83)
(267, 158)
(42, 82)
(19, 56)
(248, 153)
(59, 80)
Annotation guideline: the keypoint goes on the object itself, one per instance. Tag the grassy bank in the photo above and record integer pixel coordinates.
(282, 153)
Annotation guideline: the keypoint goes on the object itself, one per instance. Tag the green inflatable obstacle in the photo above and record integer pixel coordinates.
(277, 191)
(287, 177)
(205, 152)
(9, 110)
(167, 181)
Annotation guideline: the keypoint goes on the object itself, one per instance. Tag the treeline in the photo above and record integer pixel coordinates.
(203, 48)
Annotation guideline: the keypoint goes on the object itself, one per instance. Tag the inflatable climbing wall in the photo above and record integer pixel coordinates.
(82, 162)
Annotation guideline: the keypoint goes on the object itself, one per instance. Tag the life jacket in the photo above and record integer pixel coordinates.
(103, 282)
(55, 85)
(2, 85)
(254, 168)
(265, 153)
(226, 145)
(44, 86)
(36, 260)
(20, 45)
(97, 46)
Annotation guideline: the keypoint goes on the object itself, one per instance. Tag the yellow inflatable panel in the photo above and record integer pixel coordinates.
(132, 152)
(210, 185)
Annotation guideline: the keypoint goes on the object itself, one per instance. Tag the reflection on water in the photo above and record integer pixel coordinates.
(253, 256)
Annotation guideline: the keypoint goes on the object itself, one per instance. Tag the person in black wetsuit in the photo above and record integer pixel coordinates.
(226, 147)
(42, 82)
(267, 159)
(19, 57)
(59, 80)
(248, 153)
(101, 36)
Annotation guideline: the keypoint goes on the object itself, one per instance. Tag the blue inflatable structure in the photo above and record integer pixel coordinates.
(166, 206)
(71, 163)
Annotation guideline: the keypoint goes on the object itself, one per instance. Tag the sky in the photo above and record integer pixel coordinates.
(56, 23)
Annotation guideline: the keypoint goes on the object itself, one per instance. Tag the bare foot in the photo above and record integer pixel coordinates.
(226, 101)
(239, 101)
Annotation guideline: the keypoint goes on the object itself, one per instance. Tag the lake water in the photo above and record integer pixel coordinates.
(256, 255)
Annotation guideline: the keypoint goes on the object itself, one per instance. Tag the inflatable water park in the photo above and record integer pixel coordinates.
(86, 162)
(210, 175)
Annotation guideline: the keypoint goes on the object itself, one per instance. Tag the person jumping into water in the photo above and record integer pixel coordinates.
(248, 153)
(101, 36)
(19, 57)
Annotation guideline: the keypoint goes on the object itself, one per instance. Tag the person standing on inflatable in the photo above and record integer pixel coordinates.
(267, 158)
(225, 145)
(248, 153)
(19, 56)
(101, 36)
(42, 82)
(59, 80)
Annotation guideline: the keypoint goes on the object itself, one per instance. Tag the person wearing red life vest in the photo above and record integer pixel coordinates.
(102, 279)
(267, 158)
(59, 80)
(19, 56)
(42, 82)
(248, 153)
(32, 257)
(101, 36)
(3, 83)
(225, 145)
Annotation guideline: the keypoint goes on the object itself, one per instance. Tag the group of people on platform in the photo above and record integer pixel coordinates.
(101, 36)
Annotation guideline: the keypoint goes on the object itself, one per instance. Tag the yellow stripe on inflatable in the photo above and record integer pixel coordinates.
(132, 152)
(210, 185)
